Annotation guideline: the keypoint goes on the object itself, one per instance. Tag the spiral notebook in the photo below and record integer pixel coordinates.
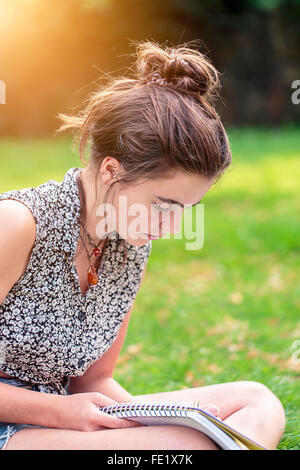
(184, 414)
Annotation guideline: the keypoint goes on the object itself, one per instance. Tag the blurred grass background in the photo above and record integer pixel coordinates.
(229, 311)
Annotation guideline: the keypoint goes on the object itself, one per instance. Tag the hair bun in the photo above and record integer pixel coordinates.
(184, 67)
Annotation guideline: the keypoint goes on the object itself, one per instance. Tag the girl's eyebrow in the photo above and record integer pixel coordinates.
(172, 201)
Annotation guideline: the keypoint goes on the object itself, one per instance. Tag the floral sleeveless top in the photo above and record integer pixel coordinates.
(49, 331)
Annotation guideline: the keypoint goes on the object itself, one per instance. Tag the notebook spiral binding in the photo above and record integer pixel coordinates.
(177, 409)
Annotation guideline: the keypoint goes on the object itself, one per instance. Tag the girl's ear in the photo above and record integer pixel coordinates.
(109, 169)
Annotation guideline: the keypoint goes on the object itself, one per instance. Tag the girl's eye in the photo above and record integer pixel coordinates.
(161, 208)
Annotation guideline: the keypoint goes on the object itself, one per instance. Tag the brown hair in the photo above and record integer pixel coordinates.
(155, 127)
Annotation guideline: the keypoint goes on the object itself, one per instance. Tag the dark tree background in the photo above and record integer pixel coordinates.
(53, 53)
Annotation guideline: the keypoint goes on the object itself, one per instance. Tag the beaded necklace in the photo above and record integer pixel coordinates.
(92, 276)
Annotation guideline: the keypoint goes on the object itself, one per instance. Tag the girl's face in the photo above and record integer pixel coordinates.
(147, 208)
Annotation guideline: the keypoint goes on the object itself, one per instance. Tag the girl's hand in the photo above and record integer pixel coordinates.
(81, 412)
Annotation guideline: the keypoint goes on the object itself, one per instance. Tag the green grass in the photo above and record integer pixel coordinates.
(229, 311)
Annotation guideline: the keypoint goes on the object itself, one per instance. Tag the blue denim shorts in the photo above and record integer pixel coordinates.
(9, 429)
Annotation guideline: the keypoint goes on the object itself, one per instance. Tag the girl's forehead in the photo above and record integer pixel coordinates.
(189, 186)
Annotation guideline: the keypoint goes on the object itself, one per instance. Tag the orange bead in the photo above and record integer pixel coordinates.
(92, 276)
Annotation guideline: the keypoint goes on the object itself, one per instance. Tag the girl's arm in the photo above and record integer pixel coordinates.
(19, 405)
(109, 387)
(81, 412)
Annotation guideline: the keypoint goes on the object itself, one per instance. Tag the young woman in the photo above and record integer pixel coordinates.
(68, 283)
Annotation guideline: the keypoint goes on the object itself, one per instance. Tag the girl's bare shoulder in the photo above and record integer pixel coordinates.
(17, 237)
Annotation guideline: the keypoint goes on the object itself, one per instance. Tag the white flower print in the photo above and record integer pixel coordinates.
(52, 332)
